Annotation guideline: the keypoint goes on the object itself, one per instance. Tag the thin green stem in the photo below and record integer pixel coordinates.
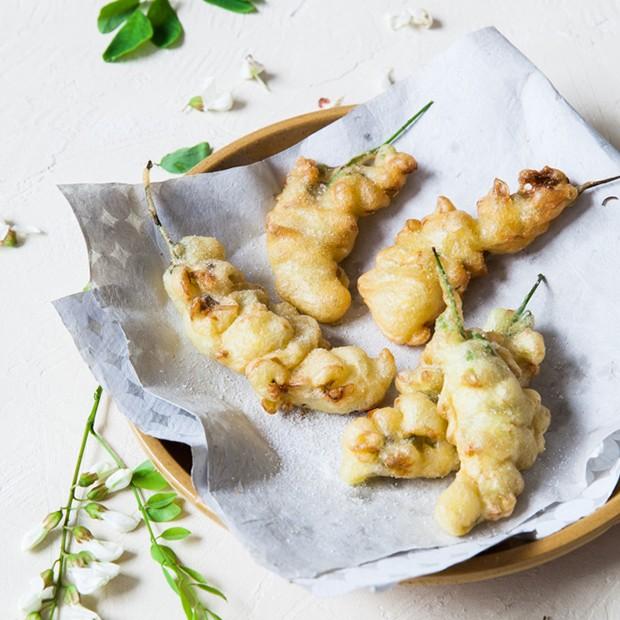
(526, 300)
(449, 296)
(66, 535)
(395, 136)
(407, 124)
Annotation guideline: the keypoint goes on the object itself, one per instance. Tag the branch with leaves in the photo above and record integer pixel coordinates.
(84, 563)
(157, 22)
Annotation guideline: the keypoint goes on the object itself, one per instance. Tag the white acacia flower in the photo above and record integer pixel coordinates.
(118, 480)
(76, 612)
(34, 537)
(211, 100)
(251, 69)
(9, 232)
(34, 597)
(94, 575)
(119, 520)
(102, 469)
(103, 550)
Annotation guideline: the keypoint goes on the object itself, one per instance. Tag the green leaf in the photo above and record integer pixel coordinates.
(182, 160)
(212, 614)
(163, 554)
(210, 589)
(136, 31)
(161, 500)
(145, 476)
(166, 25)
(159, 515)
(112, 15)
(170, 579)
(236, 6)
(175, 533)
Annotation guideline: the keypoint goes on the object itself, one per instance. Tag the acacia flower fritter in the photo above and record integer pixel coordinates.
(414, 18)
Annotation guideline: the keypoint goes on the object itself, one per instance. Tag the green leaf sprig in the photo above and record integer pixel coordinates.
(80, 553)
(160, 24)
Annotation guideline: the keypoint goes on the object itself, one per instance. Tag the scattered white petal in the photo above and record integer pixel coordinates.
(221, 103)
(120, 521)
(421, 18)
(396, 21)
(4, 229)
(34, 537)
(103, 550)
(26, 230)
(88, 579)
(118, 480)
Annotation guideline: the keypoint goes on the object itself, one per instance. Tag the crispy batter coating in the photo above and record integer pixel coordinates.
(314, 226)
(402, 290)
(280, 351)
(465, 403)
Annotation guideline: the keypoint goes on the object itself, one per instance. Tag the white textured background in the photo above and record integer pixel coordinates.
(67, 116)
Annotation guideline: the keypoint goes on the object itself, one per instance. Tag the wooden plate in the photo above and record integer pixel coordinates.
(174, 459)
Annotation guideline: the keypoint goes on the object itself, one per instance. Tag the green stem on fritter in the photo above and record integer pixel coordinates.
(589, 184)
(450, 296)
(526, 300)
(395, 136)
(150, 203)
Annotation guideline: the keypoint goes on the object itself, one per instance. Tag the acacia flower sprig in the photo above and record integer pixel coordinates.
(86, 563)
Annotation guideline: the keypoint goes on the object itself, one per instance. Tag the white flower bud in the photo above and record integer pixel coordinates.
(119, 520)
(88, 579)
(119, 480)
(103, 550)
(34, 537)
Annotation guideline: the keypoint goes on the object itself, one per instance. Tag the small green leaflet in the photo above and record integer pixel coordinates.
(163, 554)
(182, 160)
(166, 25)
(135, 31)
(145, 476)
(236, 6)
(167, 513)
(161, 500)
(114, 14)
(175, 533)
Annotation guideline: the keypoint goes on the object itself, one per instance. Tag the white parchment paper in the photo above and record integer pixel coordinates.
(273, 479)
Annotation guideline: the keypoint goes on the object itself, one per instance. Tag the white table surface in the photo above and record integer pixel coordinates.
(67, 116)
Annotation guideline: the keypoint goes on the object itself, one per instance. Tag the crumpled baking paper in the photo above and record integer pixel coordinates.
(273, 479)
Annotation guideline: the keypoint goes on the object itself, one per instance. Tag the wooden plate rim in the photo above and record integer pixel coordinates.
(489, 565)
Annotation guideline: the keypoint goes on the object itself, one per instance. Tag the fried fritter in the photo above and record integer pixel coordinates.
(280, 351)
(403, 291)
(314, 226)
(466, 403)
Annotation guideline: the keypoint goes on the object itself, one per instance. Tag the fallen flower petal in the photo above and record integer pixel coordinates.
(421, 18)
(76, 612)
(398, 20)
(221, 103)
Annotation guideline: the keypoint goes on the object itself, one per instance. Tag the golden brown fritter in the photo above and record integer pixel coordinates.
(280, 351)
(402, 290)
(314, 226)
(464, 407)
